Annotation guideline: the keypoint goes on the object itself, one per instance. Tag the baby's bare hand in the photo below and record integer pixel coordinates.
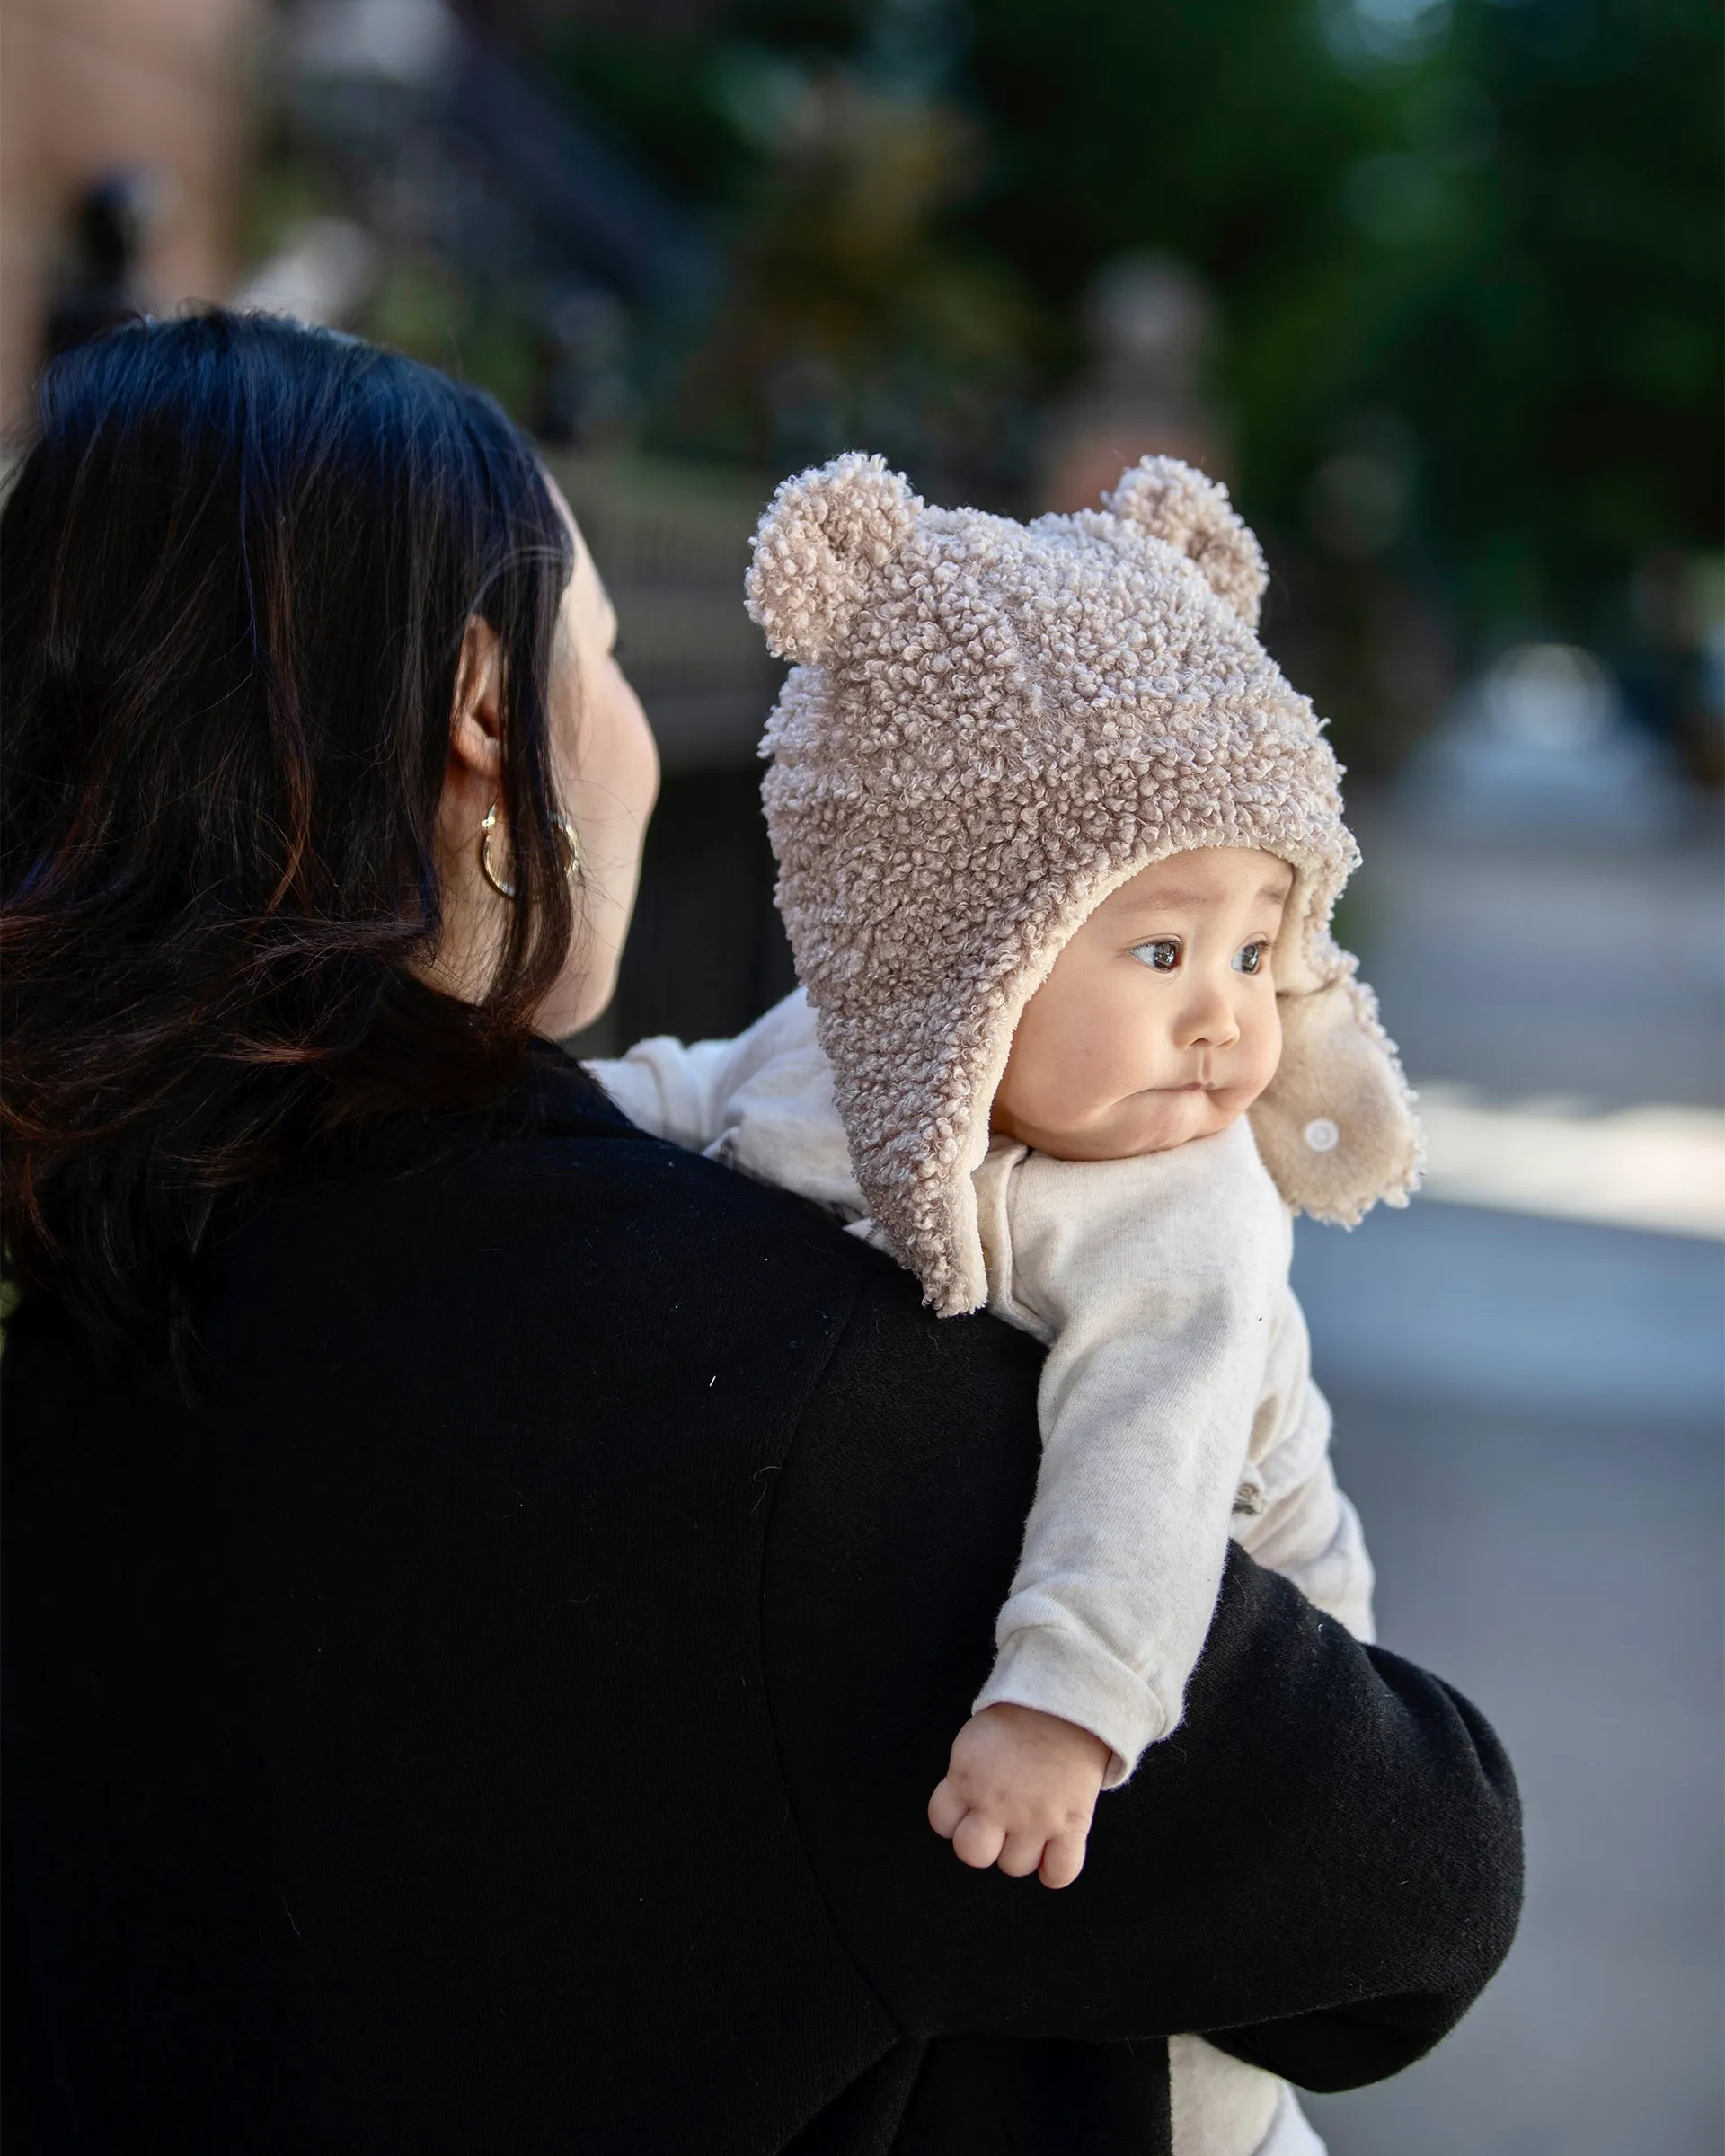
(1019, 1791)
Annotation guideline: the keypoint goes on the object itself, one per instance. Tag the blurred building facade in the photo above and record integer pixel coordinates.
(1150, 324)
(155, 90)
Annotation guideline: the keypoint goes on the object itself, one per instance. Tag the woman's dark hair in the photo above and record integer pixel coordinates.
(237, 564)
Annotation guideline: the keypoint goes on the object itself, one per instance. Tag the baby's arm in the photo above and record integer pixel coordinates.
(1291, 1516)
(1155, 1280)
(681, 1092)
(1311, 1535)
(670, 1088)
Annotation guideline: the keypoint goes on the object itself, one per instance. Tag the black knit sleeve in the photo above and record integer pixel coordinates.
(1322, 1864)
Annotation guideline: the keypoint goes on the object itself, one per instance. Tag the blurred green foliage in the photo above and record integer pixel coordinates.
(1487, 231)
(420, 304)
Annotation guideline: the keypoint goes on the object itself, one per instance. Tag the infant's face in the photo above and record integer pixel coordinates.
(1158, 1023)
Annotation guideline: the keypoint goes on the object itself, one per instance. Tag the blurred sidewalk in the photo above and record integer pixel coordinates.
(1594, 973)
(1528, 1415)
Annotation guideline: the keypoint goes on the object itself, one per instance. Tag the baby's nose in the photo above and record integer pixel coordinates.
(1210, 1022)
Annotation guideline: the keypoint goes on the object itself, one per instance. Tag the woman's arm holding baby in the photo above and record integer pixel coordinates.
(1323, 1861)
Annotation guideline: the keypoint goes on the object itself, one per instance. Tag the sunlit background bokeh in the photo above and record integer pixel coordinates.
(1434, 284)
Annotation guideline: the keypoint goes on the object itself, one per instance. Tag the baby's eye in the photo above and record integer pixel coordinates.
(1162, 954)
(1251, 959)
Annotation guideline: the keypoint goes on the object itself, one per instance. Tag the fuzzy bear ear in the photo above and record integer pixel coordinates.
(1172, 502)
(823, 535)
(1335, 1126)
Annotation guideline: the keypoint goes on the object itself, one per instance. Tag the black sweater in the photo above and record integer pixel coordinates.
(502, 1717)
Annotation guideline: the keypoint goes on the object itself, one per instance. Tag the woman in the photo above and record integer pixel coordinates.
(488, 1593)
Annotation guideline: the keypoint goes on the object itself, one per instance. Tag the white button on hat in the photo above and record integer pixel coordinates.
(1321, 1134)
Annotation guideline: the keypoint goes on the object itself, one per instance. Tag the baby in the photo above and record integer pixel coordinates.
(1059, 848)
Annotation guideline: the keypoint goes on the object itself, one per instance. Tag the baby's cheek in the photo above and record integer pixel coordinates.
(1272, 1039)
(1264, 1042)
(1143, 1052)
(1088, 1061)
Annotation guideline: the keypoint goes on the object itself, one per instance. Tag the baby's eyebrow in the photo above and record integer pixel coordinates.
(1164, 901)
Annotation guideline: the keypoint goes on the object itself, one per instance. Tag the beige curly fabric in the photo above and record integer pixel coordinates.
(992, 727)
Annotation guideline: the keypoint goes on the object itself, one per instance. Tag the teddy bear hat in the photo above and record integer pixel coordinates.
(989, 728)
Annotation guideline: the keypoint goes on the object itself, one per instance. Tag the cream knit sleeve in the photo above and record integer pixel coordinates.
(1155, 1282)
(683, 1092)
(762, 1103)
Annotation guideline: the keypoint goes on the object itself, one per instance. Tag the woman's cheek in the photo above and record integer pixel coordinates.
(642, 751)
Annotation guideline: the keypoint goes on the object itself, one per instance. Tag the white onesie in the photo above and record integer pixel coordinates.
(1176, 1407)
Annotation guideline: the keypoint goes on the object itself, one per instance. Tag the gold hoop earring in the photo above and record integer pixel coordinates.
(566, 831)
(502, 889)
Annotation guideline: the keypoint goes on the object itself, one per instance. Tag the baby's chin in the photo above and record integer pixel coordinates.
(1148, 1122)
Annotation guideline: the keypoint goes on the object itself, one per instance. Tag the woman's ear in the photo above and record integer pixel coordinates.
(476, 722)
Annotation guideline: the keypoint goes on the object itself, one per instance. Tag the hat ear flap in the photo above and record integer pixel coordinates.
(1336, 1126)
(1187, 511)
(824, 535)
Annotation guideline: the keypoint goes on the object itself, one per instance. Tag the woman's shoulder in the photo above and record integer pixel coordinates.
(467, 1543)
(548, 1253)
(543, 1235)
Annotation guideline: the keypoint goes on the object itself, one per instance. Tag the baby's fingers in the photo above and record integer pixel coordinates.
(1062, 1860)
(977, 1840)
(946, 1807)
(1022, 1855)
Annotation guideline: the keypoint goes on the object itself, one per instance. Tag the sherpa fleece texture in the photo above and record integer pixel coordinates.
(990, 726)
